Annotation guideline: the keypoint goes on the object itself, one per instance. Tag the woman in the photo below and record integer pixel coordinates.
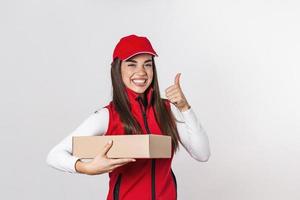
(137, 108)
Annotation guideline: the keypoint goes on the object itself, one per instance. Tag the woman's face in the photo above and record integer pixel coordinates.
(137, 72)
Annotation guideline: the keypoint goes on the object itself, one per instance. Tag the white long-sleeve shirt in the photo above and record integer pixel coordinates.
(191, 133)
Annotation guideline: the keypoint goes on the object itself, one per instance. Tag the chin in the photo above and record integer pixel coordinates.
(139, 90)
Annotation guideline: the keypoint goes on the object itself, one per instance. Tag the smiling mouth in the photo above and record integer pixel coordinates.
(139, 82)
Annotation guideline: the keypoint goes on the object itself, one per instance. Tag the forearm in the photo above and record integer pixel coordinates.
(60, 156)
(193, 137)
(199, 144)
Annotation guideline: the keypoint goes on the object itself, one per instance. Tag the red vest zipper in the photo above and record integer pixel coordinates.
(153, 160)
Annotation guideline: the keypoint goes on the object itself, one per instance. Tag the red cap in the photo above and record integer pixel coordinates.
(131, 45)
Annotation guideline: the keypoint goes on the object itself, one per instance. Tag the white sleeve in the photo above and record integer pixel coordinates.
(192, 134)
(60, 156)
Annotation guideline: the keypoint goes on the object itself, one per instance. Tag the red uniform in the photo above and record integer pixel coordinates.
(144, 179)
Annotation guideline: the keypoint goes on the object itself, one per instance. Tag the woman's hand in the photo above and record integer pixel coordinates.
(101, 163)
(176, 96)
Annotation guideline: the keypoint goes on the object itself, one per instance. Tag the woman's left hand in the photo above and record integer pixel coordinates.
(176, 96)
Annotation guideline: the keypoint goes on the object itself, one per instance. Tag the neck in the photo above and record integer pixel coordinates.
(143, 96)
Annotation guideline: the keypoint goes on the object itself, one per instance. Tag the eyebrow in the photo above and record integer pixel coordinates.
(130, 60)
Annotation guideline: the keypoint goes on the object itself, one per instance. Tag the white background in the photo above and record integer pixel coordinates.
(240, 72)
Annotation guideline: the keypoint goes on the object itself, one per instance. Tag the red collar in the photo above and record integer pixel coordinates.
(133, 96)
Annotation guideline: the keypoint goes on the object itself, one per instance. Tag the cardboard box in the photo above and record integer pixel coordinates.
(124, 146)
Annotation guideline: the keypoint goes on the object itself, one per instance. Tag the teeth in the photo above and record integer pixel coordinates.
(139, 81)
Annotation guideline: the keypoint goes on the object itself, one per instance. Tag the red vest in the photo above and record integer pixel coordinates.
(144, 179)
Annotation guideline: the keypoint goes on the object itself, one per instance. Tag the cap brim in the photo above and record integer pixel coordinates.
(140, 52)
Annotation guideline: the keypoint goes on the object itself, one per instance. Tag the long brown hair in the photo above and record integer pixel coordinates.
(164, 117)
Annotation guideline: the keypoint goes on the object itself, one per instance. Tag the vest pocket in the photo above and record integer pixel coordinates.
(117, 187)
(175, 182)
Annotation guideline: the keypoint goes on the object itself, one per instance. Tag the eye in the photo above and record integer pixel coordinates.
(149, 65)
(131, 65)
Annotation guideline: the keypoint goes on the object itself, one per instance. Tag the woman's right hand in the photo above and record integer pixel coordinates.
(101, 163)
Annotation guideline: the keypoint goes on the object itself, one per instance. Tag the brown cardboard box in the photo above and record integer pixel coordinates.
(124, 146)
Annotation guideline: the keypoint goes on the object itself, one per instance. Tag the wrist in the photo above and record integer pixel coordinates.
(185, 108)
(81, 167)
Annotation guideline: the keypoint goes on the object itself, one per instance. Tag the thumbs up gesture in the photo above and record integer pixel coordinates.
(176, 96)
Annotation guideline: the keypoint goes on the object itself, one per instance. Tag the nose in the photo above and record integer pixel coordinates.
(141, 69)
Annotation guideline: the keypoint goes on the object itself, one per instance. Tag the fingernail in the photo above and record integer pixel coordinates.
(133, 160)
(109, 142)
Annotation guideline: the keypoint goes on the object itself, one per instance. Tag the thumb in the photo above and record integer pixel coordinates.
(177, 79)
(106, 148)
